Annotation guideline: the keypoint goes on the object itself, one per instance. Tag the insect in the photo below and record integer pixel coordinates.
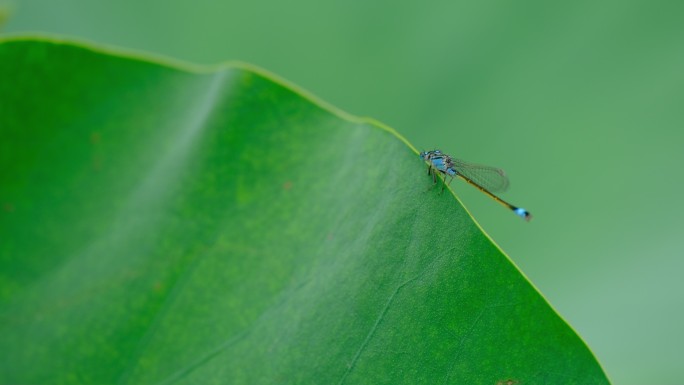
(484, 178)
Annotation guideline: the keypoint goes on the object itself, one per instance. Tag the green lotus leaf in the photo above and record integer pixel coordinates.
(164, 224)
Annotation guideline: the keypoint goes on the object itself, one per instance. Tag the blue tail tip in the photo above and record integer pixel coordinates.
(522, 213)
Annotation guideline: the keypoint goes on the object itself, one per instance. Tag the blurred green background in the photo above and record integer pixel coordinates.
(581, 102)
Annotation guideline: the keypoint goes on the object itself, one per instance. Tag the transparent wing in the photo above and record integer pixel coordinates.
(492, 178)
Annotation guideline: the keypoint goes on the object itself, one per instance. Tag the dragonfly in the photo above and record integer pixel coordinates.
(485, 178)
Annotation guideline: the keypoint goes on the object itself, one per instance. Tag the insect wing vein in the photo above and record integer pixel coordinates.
(492, 178)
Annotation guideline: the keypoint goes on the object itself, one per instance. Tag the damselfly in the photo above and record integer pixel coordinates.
(484, 178)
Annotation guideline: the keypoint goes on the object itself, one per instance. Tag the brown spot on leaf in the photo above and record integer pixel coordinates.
(158, 287)
(95, 137)
(508, 382)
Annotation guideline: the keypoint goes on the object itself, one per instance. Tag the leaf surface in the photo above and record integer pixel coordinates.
(161, 224)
